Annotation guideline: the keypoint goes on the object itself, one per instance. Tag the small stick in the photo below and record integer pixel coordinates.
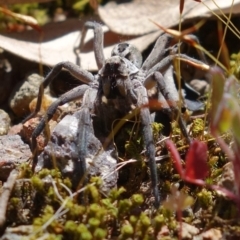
(7, 189)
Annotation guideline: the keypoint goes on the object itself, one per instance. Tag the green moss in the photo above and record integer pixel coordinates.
(206, 198)
(110, 207)
(37, 183)
(97, 181)
(145, 221)
(67, 182)
(70, 226)
(94, 222)
(126, 231)
(55, 173)
(235, 64)
(94, 193)
(124, 207)
(137, 200)
(132, 150)
(100, 234)
(158, 223)
(156, 128)
(115, 193)
(133, 220)
(97, 211)
(14, 201)
(175, 129)
(75, 211)
(25, 171)
(84, 233)
(144, 224)
(198, 127)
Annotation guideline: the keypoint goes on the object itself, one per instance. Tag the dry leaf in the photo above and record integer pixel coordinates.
(59, 41)
(133, 18)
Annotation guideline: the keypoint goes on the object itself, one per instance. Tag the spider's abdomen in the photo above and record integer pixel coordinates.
(129, 52)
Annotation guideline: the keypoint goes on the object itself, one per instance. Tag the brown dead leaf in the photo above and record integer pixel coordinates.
(133, 18)
(125, 21)
(59, 41)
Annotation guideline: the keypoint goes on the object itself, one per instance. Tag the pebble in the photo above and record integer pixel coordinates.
(24, 93)
(201, 86)
(63, 149)
(13, 152)
(5, 122)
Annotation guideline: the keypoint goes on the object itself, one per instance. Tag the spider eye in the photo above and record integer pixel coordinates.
(111, 68)
(114, 66)
(122, 47)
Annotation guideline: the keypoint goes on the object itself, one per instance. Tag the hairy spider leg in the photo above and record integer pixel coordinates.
(75, 93)
(97, 43)
(148, 140)
(81, 74)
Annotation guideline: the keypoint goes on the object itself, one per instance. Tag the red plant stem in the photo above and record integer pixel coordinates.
(175, 155)
(179, 216)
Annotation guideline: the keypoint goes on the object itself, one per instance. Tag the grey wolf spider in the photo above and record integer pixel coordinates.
(121, 85)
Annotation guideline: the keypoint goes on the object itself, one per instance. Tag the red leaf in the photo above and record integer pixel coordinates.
(196, 161)
(176, 157)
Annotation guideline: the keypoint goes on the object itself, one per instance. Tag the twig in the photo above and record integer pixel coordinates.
(7, 189)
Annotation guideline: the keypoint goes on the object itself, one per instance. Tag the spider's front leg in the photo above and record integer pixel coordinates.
(79, 73)
(121, 91)
(77, 150)
(148, 139)
(97, 41)
(72, 95)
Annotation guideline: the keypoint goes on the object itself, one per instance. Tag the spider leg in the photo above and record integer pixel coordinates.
(162, 48)
(148, 139)
(73, 94)
(81, 74)
(163, 65)
(97, 41)
(79, 176)
(171, 97)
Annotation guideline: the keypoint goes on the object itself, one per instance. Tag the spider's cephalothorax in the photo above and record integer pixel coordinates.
(115, 77)
(121, 84)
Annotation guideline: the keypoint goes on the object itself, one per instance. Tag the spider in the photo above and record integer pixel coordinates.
(120, 86)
